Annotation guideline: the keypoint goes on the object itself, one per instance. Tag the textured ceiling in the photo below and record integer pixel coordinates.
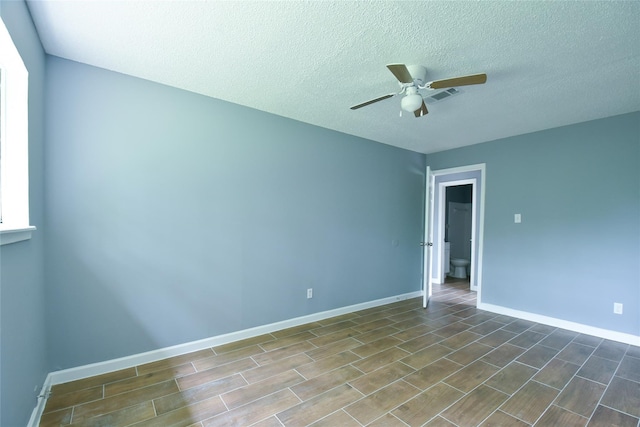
(548, 63)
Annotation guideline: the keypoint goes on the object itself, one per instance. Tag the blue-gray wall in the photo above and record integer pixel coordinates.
(173, 217)
(576, 251)
(23, 355)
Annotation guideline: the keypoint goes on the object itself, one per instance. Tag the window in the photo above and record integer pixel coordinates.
(14, 143)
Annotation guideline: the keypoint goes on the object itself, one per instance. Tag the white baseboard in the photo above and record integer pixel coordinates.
(80, 372)
(36, 414)
(564, 324)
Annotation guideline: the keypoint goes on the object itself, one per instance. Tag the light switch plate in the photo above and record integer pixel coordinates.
(517, 218)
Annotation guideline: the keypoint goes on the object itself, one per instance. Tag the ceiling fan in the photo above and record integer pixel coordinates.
(411, 79)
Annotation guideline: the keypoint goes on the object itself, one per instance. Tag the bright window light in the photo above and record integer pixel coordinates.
(14, 143)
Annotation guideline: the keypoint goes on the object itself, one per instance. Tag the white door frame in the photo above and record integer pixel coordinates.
(478, 204)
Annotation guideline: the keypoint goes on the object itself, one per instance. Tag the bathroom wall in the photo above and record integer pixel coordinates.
(174, 217)
(458, 194)
(459, 222)
(576, 251)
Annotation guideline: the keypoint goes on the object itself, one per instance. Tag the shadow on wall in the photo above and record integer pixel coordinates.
(121, 322)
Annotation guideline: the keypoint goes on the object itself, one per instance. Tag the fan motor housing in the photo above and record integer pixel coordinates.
(418, 73)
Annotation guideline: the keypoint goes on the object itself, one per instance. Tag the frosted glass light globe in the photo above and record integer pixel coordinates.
(411, 103)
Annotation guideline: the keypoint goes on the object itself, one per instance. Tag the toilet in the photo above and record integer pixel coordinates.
(459, 268)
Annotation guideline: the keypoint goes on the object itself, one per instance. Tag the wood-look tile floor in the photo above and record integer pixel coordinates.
(393, 365)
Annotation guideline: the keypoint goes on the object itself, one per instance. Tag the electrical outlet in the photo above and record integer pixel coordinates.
(309, 293)
(617, 308)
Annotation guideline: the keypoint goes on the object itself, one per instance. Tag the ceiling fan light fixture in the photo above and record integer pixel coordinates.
(411, 79)
(411, 102)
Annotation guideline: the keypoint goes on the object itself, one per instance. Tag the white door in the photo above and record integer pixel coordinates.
(427, 242)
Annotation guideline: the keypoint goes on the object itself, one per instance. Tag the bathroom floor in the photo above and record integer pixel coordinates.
(393, 365)
(455, 281)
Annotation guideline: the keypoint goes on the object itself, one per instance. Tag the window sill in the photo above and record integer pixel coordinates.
(13, 235)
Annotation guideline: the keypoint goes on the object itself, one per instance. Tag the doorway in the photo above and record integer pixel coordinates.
(443, 179)
(458, 227)
(457, 223)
